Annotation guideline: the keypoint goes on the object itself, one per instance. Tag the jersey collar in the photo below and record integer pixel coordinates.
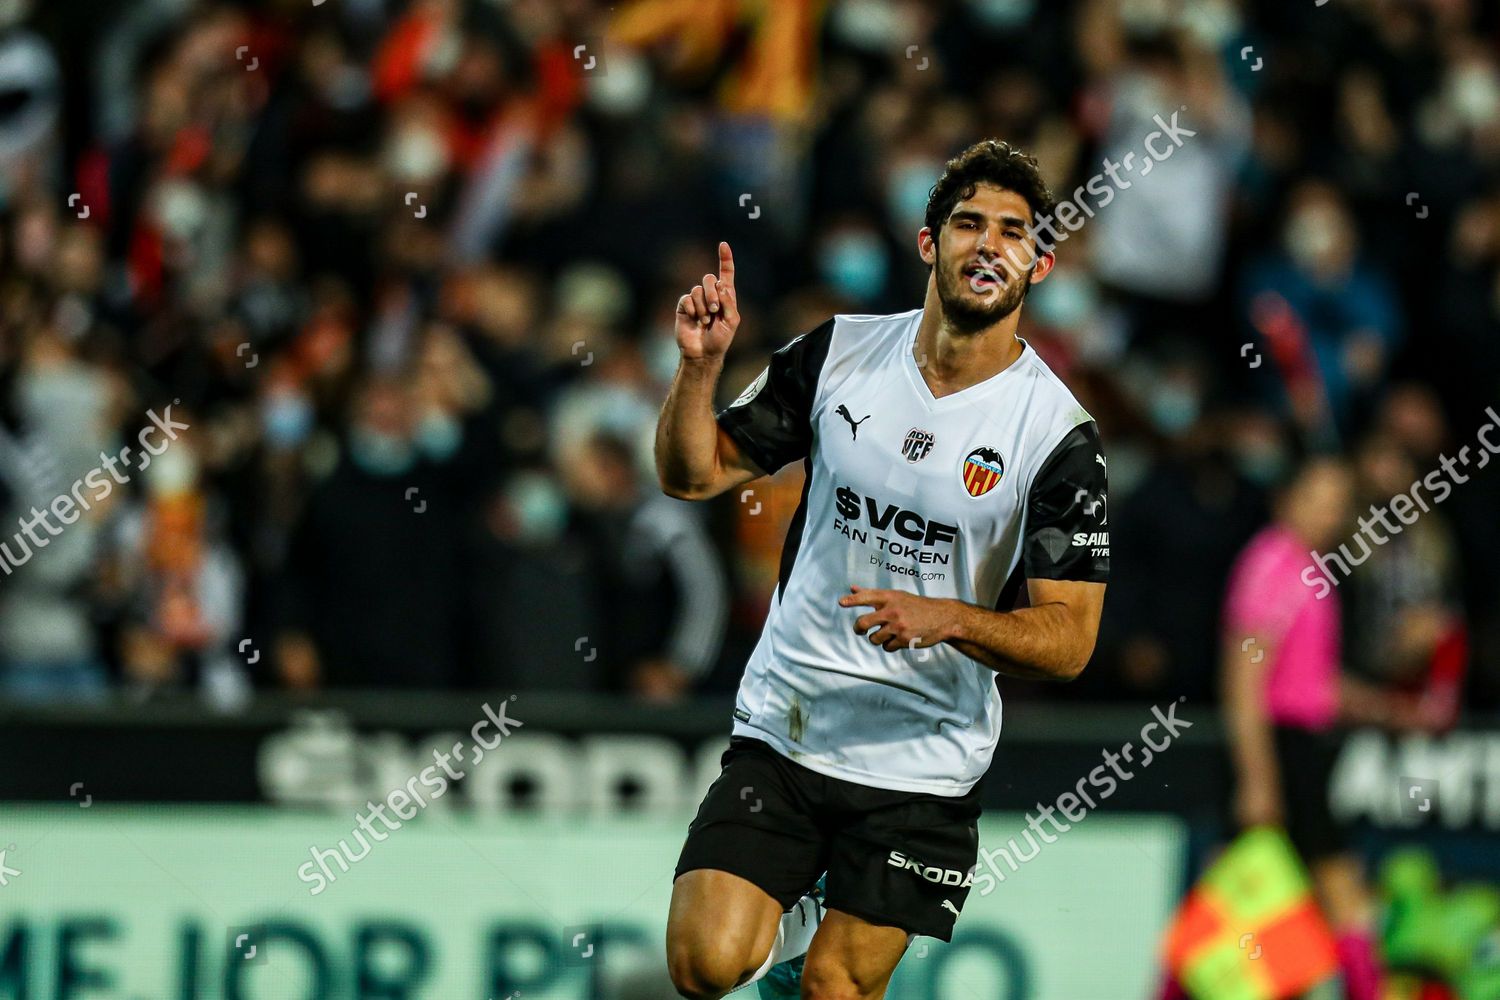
(963, 396)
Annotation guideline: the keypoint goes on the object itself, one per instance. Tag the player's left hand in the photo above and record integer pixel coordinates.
(907, 621)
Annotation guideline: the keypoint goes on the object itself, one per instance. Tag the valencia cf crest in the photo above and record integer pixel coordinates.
(981, 470)
(917, 444)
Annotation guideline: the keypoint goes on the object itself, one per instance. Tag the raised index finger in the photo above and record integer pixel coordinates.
(726, 265)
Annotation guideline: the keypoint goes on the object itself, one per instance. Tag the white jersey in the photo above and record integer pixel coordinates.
(960, 497)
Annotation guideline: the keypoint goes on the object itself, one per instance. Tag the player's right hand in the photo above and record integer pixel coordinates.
(708, 315)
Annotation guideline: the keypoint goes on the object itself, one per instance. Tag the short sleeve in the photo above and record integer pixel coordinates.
(771, 420)
(1067, 512)
(1263, 597)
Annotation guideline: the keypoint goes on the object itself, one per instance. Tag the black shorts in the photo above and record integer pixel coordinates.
(1306, 760)
(901, 859)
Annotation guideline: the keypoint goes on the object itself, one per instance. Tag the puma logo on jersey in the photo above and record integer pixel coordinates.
(948, 905)
(843, 411)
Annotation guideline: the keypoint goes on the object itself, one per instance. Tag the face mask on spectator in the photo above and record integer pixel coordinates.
(381, 454)
(173, 472)
(541, 510)
(1065, 299)
(181, 208)
(439, 435)
(1001, 14)
(417, 155)
(1474, 92)
(662, 355)
(1309, 237)
(13, 12)
(626, 88)
(30, 80)
(1262, 466)
(1173, 409)
(286, 419)
(906, 194)
(854, 265)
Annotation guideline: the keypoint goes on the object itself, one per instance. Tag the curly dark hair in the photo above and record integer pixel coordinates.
(992, 162)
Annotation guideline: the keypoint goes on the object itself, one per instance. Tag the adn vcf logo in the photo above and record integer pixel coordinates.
(918, 444)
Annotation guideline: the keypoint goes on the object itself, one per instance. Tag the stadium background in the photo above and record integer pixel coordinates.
(407, 272)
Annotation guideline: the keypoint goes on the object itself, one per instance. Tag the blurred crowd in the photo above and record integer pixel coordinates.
(406, 271)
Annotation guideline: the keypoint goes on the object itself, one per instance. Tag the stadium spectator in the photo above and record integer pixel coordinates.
(373, 589)
(1402, 619)
(659, 597)
(184, 583)
(279, 207)
(1161, 242)
(1327, 315)
(1175, 538)
(1413, 415)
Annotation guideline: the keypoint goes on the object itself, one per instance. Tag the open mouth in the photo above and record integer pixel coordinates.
(981, 277)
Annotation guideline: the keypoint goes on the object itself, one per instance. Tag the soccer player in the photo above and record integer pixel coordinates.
(945, 466)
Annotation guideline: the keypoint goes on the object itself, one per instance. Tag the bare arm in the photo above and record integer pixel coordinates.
(1065, 557)
(1050, 640)
(695, 459)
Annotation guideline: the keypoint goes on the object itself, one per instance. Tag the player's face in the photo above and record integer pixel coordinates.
(984, 259)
